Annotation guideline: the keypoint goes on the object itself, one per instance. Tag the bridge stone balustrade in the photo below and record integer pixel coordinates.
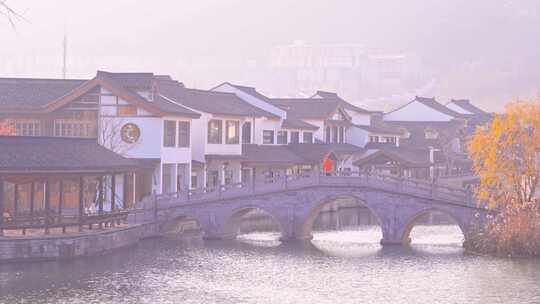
(294, 202)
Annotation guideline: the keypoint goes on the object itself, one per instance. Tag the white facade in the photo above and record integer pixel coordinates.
(359, 118)
(149, 144)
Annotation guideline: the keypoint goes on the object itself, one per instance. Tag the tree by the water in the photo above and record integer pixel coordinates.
(506, 158)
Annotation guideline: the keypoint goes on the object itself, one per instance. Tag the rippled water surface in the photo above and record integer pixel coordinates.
(336, 267)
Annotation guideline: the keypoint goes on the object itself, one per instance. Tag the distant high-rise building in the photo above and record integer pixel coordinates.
(353, 70)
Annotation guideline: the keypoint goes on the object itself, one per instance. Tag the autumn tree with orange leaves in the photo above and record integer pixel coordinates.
(505, 156)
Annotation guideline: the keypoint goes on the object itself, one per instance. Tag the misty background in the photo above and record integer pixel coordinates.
(374, 53)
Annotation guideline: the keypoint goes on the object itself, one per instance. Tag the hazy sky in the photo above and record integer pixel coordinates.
(160, 34)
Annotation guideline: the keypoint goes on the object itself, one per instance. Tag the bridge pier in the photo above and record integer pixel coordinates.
(395, 242)
(295, 238)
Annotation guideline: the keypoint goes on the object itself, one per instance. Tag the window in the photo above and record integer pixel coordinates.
(27, 128)
(295, 137)
(431, 134)
(268, 137)
(389, 139)
(246, 133)
(228, 177)
(373, 139)
(166, 181)
(169, 133)
(71, 128)
(127, 110)
(334, 134)
(231, 132)
(328, 135)
(341, 135)
(194, 179)
(282, 137)
(246, 175)
(183, 134)
(182, 181)
(308, 138)
(212, 179)
(215, 132)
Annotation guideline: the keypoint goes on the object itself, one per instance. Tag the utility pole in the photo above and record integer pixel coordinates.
(64, 57)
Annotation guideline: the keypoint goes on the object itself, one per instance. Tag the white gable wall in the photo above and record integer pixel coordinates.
(356, 136)
(262, 124)
(149, 144)
(416, 111)
(359, 118)
(319, 133)
(261, 104)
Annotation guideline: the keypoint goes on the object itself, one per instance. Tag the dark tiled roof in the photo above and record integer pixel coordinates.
(147, 163)
(209, 157)
(306, 108)
(23, 154)
(209, 101)
(295, 153)
(249, 90)
(432, 103)
(129, 82)
(406, 156)
(30, 92)
(314, 153)
(380, 129)
(344, 104)
(417, 132)
(142, 81)
(468, 106)
(293, 123)
(270, 154)
(46, 94)
(173, 107)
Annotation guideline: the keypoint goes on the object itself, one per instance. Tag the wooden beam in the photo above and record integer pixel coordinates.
(125, 192)
(113, 191)
(47, 204)
(60, 197)
(81, 202)
(1, 205)
(32, 199)
(100, 199)
(15, 200)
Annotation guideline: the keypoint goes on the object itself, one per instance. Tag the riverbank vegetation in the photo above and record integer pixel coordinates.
(506, 158)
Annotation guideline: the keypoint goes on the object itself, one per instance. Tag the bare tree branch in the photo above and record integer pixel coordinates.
(9, 13)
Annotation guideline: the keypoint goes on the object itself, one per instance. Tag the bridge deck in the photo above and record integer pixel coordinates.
(314, 179)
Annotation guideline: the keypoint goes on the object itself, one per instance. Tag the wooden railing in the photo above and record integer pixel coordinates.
(391, 183)
(53, 220)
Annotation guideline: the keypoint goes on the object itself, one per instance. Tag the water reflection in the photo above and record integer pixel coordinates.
(346, 266)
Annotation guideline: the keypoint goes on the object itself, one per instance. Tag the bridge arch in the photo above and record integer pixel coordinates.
(413, 220)
(308, 220)
(233, 220)
(181, 223)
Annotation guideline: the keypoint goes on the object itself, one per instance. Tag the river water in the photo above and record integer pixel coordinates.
(346, 266)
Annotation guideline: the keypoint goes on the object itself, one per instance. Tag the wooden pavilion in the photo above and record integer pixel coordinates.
(54, 182)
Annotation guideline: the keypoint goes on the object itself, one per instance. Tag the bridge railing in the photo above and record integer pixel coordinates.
(313, 178)
(395, 183)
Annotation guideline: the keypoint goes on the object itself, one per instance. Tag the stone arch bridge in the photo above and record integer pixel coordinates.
(294, 202)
